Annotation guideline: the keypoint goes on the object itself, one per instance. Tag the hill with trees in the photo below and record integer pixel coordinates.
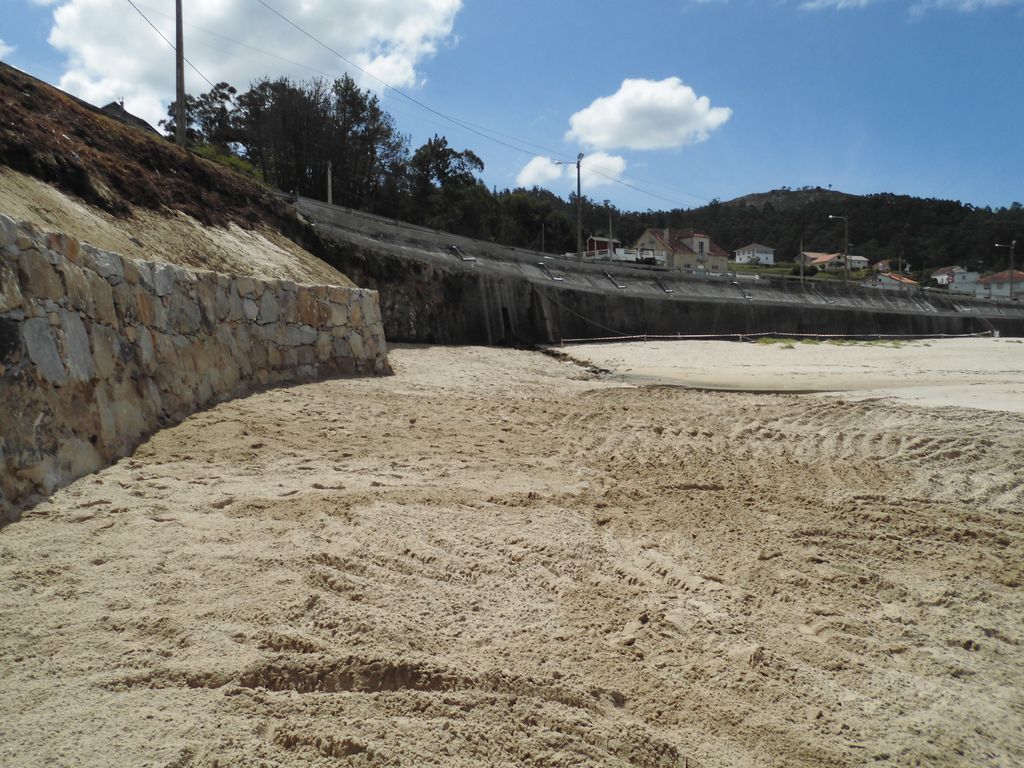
(290, 133)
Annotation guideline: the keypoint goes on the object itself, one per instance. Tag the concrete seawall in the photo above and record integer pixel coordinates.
(483, 293)
(98, 351)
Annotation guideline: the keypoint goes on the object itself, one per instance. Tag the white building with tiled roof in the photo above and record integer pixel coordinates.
(755, 253)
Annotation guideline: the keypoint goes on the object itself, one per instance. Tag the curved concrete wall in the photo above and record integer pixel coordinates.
(508, 295)
(97, 351)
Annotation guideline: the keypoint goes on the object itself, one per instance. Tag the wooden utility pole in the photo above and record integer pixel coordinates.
(179, 56)
(330, 186)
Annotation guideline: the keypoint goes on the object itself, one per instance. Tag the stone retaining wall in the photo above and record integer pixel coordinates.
(97, 351)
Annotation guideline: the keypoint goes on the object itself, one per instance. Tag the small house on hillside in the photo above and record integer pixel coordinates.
(885, 265)
(601, 246)
(685, 249)
(998, 285)
(755, 253)
(833, 262)
(891, 281)
(945, 275)
(116, 110)
(810, 257)
(956, 280)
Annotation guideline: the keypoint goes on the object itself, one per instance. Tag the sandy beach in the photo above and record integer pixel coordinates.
(500, 557)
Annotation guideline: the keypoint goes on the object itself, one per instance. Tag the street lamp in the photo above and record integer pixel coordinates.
(579, 203)
(1011, 246)
(846, 245)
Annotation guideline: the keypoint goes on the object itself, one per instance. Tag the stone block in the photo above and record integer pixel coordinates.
(77, 351)
(145, 272)
(310, 309)
(183, 313)
(223, 298)
(294, 336)
(10, 291)
(76, 285)
(250, 309)
(163, 279)
(125, 303)
(206, 295)
(106, 350)
(324, 346)
(269, 312)
(9, 230)
(42, 350)
(38, 277)
(355, 343)
(150, 311)
(341, 347)
(339, 315)
(307, 335)
(131, 271)
(107, 265)
(245, 286)
(338, 295)
(66, 245)
(103, 297)
(146, 350)
(355, 313)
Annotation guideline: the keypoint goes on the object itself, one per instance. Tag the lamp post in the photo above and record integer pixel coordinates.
(846, 245)
(1011, 246)
(579, 204)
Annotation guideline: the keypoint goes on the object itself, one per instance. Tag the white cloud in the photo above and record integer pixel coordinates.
(539, 172)
(817, 5)
(647, 114)
(918, 7)
(964, 6)
(112, 52)
(596, 170)
(600, 169)
(5, 49)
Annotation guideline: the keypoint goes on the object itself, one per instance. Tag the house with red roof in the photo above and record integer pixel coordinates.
(891, 281)
(685, 249)
(833, 262)
(998, 285)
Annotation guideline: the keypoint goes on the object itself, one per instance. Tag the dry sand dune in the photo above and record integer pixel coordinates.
(495, 558)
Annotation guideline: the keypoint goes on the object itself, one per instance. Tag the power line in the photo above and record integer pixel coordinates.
(173, 46)
(481, 131)
(238, 43)
(486, 133)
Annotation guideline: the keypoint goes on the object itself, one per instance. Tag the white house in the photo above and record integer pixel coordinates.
(998, 285)
(755, 253)
(956, 279)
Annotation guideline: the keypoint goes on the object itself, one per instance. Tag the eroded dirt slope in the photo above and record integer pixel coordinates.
(491, 559)
(68, 167)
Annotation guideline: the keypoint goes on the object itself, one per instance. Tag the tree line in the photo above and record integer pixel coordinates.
(289, 133)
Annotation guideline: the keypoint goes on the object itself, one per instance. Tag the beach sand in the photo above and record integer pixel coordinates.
(496, 557)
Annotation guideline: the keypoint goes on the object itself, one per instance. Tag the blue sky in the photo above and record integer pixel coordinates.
(680, 102)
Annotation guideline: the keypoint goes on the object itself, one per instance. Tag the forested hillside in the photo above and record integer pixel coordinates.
(290, 134)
